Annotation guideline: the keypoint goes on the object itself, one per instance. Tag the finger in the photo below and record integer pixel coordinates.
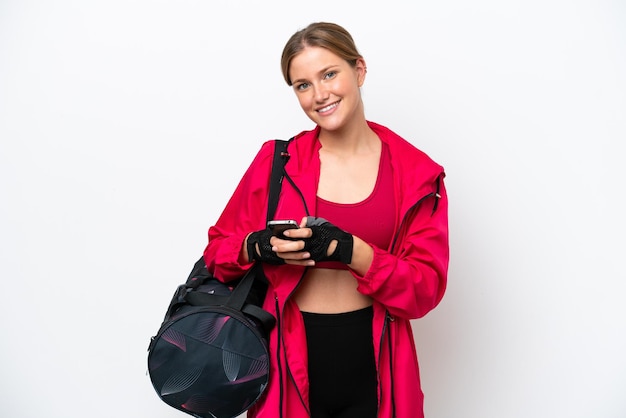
(275, 241)
(298, 233)
(305, 263)
(287, 246)
(295, 255)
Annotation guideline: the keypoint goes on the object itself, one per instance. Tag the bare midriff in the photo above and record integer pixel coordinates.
(329, 291)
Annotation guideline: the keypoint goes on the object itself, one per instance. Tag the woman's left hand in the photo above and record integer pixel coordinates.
(316, 240)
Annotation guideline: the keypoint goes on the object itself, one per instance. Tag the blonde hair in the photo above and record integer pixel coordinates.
(324, 35)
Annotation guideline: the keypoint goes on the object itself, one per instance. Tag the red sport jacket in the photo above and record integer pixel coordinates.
(406, 280)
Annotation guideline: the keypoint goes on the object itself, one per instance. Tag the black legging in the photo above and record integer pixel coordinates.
(342, 370)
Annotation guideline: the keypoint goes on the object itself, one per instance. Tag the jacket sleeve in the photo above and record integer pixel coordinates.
(245, 212)
(411, 281)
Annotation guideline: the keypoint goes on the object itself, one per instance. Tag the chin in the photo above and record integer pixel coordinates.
(331, 124)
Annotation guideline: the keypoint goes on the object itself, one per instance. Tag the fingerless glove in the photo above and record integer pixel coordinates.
(323, 234)
(264, 253)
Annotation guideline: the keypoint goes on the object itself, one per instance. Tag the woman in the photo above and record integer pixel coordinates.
(371, 252)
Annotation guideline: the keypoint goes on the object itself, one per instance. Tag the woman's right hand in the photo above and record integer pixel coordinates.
(264, 246)
(291, 250)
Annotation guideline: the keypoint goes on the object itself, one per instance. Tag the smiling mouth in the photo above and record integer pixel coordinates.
(327, 108)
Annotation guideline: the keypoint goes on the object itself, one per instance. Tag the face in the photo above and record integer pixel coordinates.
(327, 87)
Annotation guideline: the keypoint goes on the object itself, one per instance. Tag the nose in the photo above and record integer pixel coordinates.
(321, 93)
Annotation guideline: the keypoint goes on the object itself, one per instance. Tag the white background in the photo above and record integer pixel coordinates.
(126, 124)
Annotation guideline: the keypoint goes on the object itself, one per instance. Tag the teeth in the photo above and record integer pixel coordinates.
(327, 108)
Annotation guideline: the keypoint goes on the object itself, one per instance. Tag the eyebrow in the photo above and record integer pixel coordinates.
(322, 71)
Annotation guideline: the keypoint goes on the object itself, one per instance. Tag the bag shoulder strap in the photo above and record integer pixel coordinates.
(238, 297)
(281, 156)
(255, 275)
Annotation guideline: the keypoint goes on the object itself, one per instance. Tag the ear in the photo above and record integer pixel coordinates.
(361, 71)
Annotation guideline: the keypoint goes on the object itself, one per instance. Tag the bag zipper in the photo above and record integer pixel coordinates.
(235, 314)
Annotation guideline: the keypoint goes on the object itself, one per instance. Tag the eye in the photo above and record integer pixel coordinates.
(302, 86)
(329, 75)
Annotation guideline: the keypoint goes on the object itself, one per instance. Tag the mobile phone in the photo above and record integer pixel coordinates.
(279, 226)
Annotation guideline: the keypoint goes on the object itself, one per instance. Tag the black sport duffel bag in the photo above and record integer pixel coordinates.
(210, 356)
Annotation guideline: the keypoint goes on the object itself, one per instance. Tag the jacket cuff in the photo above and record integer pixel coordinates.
(368, 284)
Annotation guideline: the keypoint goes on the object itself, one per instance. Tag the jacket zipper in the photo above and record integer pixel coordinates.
(411, 209)
(279, 364)
(380, 350)
(388, 317)
(282, 342)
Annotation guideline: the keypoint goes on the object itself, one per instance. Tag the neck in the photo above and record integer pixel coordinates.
(356, 138)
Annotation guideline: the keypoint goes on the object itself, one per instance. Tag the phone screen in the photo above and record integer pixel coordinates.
(280, 226)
